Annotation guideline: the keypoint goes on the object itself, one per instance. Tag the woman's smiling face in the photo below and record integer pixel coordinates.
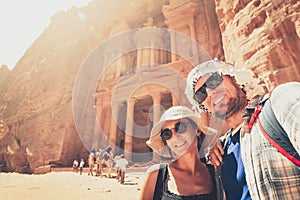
(180, 143)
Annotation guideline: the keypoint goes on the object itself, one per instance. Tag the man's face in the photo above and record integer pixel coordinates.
(224, 100)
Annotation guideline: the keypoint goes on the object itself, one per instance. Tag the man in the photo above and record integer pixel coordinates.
(81, 165)
(99, 158)
(224, 91)
(122, 163)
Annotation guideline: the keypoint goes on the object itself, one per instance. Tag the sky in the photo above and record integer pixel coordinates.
(23, 21)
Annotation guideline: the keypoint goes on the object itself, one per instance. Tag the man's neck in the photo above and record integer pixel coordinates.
(235, 120)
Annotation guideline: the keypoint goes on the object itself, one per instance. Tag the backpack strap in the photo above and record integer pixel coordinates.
(215, 174)
(160, 186)
(219, 184)
(275, 134)
(254, 112)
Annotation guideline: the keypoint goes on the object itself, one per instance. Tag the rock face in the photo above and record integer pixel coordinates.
(37, 125)
(262, 36)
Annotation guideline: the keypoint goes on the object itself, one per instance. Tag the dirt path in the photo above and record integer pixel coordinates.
(69, 185)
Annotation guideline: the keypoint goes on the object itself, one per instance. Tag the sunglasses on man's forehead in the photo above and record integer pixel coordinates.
(212, 82)
(180, 127)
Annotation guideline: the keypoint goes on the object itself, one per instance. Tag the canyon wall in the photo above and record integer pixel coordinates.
(37, 127)
(262, 36)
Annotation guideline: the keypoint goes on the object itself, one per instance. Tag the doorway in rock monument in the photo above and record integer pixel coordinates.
(143, 118)
(141, 130)
(166, 101)
(122, 143)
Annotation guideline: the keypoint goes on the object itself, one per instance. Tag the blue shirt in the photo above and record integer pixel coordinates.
(232, 170)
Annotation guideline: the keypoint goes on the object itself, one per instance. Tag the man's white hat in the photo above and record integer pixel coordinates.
(243, 76)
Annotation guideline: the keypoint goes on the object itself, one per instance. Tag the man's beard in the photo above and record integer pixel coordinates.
(234, 105)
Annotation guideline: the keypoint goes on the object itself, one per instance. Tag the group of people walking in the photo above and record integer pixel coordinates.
(255, 154)
(104, 159)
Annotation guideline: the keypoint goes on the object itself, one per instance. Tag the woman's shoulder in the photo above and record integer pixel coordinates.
(150, 181)
(154, 168)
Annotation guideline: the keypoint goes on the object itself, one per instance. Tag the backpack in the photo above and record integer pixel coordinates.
(273, 132)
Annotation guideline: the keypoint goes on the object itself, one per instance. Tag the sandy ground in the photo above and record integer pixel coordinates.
(69, 185)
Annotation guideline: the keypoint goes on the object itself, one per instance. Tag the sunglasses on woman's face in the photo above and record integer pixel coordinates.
(180, 127)
(212, 82)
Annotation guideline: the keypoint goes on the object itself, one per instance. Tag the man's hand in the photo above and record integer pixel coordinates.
(216, 154)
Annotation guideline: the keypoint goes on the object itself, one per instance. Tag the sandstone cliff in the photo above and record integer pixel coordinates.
(37, 126)
(36, 119)
(262, 36)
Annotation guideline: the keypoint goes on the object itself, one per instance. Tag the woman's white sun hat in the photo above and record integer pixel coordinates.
(243, 76)
(176, 112)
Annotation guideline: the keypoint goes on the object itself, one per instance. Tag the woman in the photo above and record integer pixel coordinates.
(177, 136)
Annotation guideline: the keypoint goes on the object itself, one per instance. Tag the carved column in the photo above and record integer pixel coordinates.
(174, 100)
(96, 137)
(114, 129)
(146, 39)
(193, 35)
(97, 133)
(156, 117)
(153, 57)
(139, 57)
(129, 129)
(180, 16)
(173, 48)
